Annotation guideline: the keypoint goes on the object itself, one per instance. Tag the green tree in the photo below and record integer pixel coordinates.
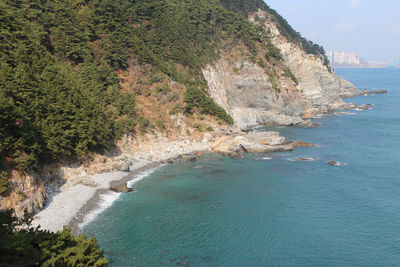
(35, 247)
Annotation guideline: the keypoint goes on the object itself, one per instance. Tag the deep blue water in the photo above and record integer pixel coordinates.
(221, 211)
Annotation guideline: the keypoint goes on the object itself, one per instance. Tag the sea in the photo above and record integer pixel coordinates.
(269, 209)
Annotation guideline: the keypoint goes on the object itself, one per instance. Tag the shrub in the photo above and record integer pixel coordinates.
(143, 124)
(198, 127)
(176, 109)
(196, 98)
(160, 124)
(164, 89)
(290, 74)
(5, 185)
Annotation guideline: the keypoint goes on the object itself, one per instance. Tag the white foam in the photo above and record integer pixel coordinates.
(106, 200)
(198, 167)
(340, 163)
(142, 175)
(265, 158)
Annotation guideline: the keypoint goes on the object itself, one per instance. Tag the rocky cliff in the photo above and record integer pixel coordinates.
(261, 72)
(246, 91)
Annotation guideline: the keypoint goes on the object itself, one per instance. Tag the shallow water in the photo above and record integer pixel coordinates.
(266, 210)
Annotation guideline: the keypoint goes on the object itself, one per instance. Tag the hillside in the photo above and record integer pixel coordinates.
(79, 76)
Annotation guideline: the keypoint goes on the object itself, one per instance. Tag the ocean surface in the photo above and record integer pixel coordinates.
(266, 210)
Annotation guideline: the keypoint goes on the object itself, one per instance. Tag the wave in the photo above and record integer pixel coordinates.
(265, 158)
(105, 202)
(142, 175)
(107, 199)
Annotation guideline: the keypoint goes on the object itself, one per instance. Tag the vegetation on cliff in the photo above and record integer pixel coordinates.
(61, 63)
(245, 7)
(34, 247)
(60, 95)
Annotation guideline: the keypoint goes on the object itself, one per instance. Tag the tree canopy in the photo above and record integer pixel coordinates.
(35, 247)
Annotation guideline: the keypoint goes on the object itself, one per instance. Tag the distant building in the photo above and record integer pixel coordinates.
(345, 59)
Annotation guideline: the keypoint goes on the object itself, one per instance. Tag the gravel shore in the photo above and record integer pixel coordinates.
(76, 204)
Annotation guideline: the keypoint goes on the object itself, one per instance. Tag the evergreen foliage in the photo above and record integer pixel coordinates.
(35, 247)
(195, 97)
(4, 184)
(245, 7)
(59, 93)
(54, 96)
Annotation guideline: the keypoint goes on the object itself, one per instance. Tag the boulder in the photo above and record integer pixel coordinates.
(125, 166)
(120, 188)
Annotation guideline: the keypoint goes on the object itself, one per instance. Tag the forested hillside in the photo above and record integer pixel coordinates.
(61, 63)
(60, 95)
(76, 75)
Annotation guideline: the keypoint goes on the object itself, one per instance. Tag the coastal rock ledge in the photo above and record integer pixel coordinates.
(256, 142)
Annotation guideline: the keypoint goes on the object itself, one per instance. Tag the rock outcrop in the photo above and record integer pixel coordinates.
(258, 142)
(321, 86)
(248, 93)
(120, 188)
(249, 97)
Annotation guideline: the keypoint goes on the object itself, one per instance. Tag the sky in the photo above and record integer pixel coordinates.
(370, 28)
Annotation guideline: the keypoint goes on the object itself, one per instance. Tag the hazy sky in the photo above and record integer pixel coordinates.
(370, 28)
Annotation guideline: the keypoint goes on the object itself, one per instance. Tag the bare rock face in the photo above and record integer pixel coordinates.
(28, 197)
(249, 97)
(260, 142)
(322, 87)
(246, 92)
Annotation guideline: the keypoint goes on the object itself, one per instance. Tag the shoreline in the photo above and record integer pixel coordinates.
(77, 205)
(92, 208)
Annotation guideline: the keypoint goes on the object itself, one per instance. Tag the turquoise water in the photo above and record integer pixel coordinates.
(221, 211)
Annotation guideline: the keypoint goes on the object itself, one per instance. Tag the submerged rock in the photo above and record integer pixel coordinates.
(337, 163)
(365, 107)
(304, 159)
(299, 143)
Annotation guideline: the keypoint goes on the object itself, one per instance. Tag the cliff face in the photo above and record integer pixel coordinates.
(246, 91)
(249, 97)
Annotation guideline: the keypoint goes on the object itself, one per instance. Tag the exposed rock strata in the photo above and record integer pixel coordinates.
(247, 94)
(249, 97)
(260, 142)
